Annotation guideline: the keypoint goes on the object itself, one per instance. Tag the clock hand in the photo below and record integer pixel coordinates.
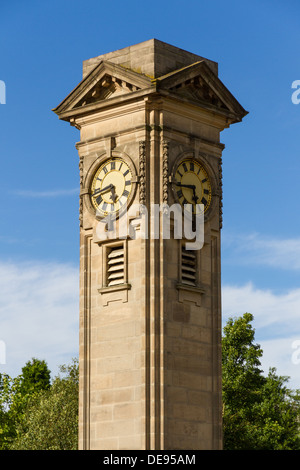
(113, 196)
(190, 186)
(195, 197)
(103, 190)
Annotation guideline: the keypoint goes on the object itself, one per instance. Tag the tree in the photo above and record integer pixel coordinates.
(258, 412)
(8, 387)
(15, 394)
(51, 418)
(35, 377)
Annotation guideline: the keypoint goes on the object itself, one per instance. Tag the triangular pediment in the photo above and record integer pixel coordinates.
(107, 87)
(198, 84)
(105, 81)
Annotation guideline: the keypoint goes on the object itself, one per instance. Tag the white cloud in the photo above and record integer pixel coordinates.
(38, 314)
(269, 309)
(276, 324)
(256, 249)
(283, 353)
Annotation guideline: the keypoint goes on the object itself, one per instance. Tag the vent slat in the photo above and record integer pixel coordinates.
(115, 283)
(115, 252)
(116, 260)
(188, 276)
(116, 267)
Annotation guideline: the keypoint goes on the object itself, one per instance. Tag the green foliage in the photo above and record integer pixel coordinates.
(15, 394)
(258, 412)
(35, 377)
(35, 414)
(51, 418)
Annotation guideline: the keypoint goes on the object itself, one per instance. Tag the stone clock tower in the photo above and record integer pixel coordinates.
(150, 118)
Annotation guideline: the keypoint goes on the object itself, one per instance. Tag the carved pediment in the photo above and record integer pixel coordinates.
(107, 87)
(196, 89)
(198, 84)
(105, 81)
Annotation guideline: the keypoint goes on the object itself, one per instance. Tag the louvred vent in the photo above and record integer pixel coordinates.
(188, 267)
(116, 266)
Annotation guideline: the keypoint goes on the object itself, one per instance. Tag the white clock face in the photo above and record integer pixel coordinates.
(111, 186)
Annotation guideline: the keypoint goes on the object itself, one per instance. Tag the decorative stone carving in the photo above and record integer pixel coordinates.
(165, 167)
(220, 192)
(81, 186)
(142, 171)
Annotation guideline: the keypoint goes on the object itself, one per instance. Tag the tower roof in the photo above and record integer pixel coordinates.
(153, 58)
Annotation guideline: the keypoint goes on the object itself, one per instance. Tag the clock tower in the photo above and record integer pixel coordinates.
(150, 118)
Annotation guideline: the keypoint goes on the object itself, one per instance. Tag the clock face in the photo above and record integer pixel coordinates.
(111, 186)
(192, 185)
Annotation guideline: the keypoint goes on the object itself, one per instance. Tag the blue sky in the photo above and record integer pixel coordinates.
(42, 48)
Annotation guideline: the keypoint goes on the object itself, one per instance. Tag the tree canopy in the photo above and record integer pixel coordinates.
(258, 412)
(36, 414)
(50, 420)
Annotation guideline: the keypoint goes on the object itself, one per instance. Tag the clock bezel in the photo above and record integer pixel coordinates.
(201, 161)
(97, 164)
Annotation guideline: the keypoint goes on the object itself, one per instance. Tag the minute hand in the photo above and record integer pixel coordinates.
(190, 186)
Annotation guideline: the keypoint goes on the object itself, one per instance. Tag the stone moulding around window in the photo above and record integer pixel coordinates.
(190, 293)
(104, 290)
(118, 291)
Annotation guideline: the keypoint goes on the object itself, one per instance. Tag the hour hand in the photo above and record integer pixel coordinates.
(103, 190)
(113, 196)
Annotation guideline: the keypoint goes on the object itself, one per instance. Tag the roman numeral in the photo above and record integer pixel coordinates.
(120, 166)
(204, 181)
(99, 200)
(192, 166)
(184, 167)
(105, 169)
(204, 201)
(206, 191)
(112, 165)
(125, 193)
(128, 183)
(126, 172)
(179, 173)
(96, 192)
(121, 202)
